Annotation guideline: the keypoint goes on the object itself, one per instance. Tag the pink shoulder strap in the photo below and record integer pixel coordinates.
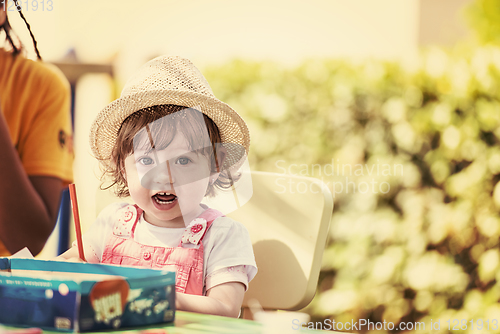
(196, 230)
(210, 215)
(127, 218)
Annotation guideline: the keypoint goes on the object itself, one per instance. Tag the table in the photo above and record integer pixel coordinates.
(192, 323)
(195, 323)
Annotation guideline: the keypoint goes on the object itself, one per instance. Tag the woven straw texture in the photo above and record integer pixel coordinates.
(169, 80)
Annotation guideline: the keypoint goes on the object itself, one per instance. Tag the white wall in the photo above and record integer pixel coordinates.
(215, 30)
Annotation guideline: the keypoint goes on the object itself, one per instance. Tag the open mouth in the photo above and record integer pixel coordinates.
(164, 198)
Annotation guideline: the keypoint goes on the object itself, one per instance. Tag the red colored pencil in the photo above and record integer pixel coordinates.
(76, 218)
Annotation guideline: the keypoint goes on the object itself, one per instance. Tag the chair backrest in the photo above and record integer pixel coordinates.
(288, 218)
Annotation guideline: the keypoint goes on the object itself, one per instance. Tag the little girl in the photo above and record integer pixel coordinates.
(168, 142)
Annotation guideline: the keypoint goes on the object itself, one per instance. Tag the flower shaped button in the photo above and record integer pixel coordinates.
(126, 218)
(194, 231)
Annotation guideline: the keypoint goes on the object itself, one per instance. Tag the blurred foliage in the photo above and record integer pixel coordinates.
(428, 247)
(484, 18)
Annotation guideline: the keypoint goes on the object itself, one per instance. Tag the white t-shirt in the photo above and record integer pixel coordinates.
(228, 253)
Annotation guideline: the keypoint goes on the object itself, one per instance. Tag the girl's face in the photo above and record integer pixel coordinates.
(168, 184)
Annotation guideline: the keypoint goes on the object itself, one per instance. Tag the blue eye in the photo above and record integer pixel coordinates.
(183, 161)
(146, 161)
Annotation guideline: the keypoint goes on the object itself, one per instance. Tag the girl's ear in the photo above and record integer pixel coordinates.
(220, 154)
(221, 157)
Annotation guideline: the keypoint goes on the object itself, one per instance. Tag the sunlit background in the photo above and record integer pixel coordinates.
(403, 92)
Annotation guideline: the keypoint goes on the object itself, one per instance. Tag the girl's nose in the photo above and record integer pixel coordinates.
(163, 174)
(158, 178)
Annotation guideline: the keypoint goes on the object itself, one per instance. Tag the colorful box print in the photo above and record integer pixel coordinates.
(83, 297)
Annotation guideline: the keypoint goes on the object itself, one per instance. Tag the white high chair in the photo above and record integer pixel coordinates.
(288, 218)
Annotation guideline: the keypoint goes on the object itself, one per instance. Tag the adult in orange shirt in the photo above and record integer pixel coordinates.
(35, 146)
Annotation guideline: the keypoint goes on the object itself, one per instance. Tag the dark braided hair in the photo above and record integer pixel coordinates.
(7, 28)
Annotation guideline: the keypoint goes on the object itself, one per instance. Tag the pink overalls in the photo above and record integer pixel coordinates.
(187, 262)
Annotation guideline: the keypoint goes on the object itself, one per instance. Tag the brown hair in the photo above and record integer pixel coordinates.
(187, 120)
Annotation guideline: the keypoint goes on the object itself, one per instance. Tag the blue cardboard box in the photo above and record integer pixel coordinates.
(83, 297)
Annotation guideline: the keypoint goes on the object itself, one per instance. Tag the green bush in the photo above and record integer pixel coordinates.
(484, 18)
(426, 245)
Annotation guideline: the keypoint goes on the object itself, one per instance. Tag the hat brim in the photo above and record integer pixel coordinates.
(232, 127)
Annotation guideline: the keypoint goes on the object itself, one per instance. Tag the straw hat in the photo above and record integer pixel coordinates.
(169, 80)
